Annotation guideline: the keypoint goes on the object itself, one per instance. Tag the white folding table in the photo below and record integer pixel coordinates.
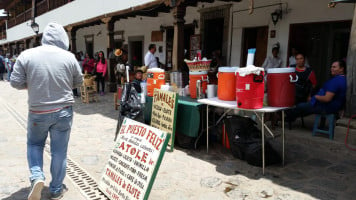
(233, 105)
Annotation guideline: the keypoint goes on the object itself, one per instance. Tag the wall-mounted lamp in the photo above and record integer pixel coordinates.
(162, 28)
(35, 27)
(195, 23)
(276, 15)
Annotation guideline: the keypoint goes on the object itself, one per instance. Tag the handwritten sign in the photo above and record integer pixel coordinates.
(164, 113)
(134, 161)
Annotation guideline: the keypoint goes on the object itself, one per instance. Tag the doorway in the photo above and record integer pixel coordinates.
(213, 36)
(89, 44)
(256, 37)
(136, 50)
(188, 31)
(322, 43)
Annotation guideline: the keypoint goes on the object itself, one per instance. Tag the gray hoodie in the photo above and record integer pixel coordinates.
(49, 72)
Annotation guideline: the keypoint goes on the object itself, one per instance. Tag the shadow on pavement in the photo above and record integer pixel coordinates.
(317, 166)
(23, 194)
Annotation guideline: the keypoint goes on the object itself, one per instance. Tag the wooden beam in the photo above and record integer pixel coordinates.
(8, 4)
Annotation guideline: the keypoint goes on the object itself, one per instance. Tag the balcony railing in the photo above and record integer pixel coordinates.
(41, 8)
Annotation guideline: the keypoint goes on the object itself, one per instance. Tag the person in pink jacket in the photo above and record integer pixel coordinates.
(100, 72)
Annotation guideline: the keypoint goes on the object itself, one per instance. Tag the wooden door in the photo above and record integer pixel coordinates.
(322, 43)
(256, 37)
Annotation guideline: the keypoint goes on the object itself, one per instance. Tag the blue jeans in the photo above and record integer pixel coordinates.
(58, 124)
(8, 75)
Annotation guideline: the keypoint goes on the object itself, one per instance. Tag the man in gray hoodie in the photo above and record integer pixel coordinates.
(49, 73)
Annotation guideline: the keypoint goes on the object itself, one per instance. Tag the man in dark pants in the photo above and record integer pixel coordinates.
(329, 99)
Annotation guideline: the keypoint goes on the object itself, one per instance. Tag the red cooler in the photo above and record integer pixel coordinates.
(281, 87)
(226, 83)
(193, 77)
(250, 91)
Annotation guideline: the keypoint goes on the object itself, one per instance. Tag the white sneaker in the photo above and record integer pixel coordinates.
(36, 189)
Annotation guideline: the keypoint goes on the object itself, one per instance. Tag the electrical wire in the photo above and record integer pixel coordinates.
(347, 133)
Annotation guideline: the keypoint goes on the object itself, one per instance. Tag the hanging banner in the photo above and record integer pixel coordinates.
(164, 112)
(134, 161)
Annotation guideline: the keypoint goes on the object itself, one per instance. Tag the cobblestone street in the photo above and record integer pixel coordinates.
(315, 167)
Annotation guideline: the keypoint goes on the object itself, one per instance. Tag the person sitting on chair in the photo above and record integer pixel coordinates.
(329, 99)
(306, 80)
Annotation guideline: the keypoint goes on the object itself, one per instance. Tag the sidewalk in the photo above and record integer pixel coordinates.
(315, 167)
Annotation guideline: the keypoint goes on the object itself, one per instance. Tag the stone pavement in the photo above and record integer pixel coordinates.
(315, 167)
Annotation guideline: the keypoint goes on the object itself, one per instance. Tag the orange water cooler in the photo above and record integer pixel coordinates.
(227, 83)
(155, 78)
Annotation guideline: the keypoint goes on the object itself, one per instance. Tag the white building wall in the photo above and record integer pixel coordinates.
(301, 11)
(138, 26)
(72, 12)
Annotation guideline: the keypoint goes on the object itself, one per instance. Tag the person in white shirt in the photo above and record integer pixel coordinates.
(292, 57)
(273, 61)
(150, 59)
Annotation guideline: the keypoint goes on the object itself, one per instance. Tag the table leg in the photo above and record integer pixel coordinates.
(283, 137)
(207, 128)
(263, 143)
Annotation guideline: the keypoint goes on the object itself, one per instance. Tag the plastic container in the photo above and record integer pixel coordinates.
(155, 78)
(176, 79)
(227, 83)
(281, 87)
(250, 57)
(250, 90)
(193, 77)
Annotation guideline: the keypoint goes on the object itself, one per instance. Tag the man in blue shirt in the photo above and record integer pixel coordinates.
(329, 99)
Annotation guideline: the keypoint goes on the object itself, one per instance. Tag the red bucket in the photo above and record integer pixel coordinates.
(250, 91)
(281, 87)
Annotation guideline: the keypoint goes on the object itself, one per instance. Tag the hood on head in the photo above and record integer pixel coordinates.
(54, 34)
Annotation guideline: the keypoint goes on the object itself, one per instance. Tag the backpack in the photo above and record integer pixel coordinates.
(241, 132)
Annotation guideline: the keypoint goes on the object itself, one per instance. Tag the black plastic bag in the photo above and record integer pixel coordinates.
(130, 106)
(253, 154)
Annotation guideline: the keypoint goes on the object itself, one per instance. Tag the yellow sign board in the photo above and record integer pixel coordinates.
(164, 113)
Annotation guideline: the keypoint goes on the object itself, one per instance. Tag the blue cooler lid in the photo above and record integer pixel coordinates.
(228, 69)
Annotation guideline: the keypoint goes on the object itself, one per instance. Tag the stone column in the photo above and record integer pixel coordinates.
(8, 50)
(11, 50)
(351, 71)
(17, 49)
(178, 40)
(27, 43)
(109, 23)
(36, 38)
(73, 38)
